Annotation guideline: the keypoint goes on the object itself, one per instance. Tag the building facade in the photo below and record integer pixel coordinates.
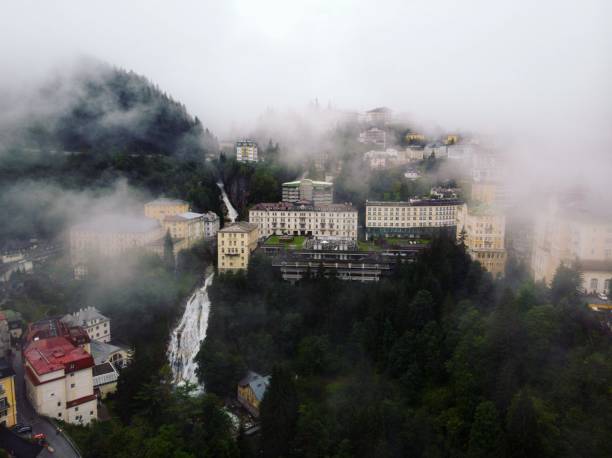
(97, 326)
(314, 192)
(110, 236)
(8, 400)
(212, 223)
(374, 136)
(414, 219)
(483, 232)
(285, 218)
(251, 390)
(572, 235)
(161, 208)
(246, 151)
(235, 243)
(596, 276)
(59, 380)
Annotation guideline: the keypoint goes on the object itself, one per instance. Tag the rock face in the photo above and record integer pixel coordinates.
(188, 335)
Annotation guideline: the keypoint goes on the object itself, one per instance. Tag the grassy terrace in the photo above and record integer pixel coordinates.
(296, 241)
(390, 242)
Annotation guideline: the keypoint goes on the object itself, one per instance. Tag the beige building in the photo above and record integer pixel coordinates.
(110, 236)
(483, 231)
(413, 219)
(235, 244)
(246, 151)
(284, 218)
(161, 208)
(596, 276)
(374, 136)
(377, 116)
(108, 359)
(96, 325)
(59, 380)
(569, 234)
(314, 192)
(191, 227)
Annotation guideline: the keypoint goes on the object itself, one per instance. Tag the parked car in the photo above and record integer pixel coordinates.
(602, 296)
(23, 429)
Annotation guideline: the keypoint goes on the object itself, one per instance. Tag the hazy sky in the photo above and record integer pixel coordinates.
(535, 65)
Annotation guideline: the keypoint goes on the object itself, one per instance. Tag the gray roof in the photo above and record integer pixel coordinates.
(101, 351)
(240, 226)
(258, 383)
(101, 369)
(83, 316)
(166, 201)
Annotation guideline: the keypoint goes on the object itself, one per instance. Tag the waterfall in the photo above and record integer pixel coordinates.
(232, 214)
(188, 335)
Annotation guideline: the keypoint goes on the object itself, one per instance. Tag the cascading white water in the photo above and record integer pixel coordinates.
(232, 214)
(188, 335)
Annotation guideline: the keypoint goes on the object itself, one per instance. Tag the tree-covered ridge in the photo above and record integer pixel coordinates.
(438, 361)
(103, 109)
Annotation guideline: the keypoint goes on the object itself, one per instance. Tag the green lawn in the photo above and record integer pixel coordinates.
(296, 242)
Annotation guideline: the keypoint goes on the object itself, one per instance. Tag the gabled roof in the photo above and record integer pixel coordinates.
(83, 316)
(101, 351)
(258, 383)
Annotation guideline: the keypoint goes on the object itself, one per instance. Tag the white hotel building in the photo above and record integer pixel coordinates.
(285, 218)
(413, 219)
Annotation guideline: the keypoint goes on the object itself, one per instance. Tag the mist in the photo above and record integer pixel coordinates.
(533, 76)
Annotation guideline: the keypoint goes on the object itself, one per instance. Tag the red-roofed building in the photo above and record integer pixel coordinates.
(59, 379)
(54, 327)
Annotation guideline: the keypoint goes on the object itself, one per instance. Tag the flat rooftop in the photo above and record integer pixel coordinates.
(296, 206)
(415, 203)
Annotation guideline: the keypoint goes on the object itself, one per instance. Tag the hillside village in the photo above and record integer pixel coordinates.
(67, 367)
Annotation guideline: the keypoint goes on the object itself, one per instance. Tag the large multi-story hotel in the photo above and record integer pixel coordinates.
(109, 236)
(483, 232)
(314, 192)
(246, 151)
(571, 234)
(415, 218)
(284, 218)
(234, 246)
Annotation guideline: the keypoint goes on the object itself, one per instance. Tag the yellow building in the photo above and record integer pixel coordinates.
(483, 231)
(8, 401)
(451, 139)
(160, 208)
(414, 137)
(235, 244)
(251, 390)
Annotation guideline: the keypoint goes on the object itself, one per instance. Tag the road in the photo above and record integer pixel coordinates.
(26, 414)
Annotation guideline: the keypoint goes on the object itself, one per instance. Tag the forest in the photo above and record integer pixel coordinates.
(439, 360)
